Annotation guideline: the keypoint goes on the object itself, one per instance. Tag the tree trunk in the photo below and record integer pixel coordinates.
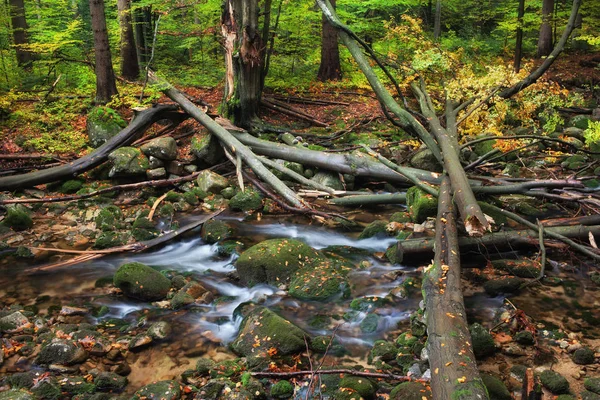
(19, 29)
(105, 77)
(130, 67)
(437, 24)
(330, 69)
(519, 42)
(243, 59)
(545, 40)
(141, 27)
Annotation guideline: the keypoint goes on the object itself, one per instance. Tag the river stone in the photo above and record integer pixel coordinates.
(420, 205)
(159, 330)
(274, 261)
(16, 394)
(76, 385)
(592, 384)
(17, 218)
(248, 200)
(207, 149)
(47, 389)
(61, 351)
(141, 282)
(103, 124)
(587, 395)
(14, 323)
(190, 293)
(494, 287)
(211, 182)
(483, 342)
(554, 382)
(411, 391)
(329, 179)
(162, 390)
(139, 342)
(109, 381)
(109, 218)
(164, 148)
(321, 282)
(583, 356)
(154, 163)
(425, 160)
(524, 268)
(382, 351)
(373, 229)
(127, 161)
(282, 390)
(156, 173)
(215, 230)
(262, 330)
(363, 386)
(495, 387)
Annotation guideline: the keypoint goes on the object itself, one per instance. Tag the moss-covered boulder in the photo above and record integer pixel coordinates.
(382, 351)
(554, 382)
(47, 389)
(248, 200)
(580, 121)
(323, 344)
(71, 186)
(502, 285)
(370, 323)
(411, 391)
(368, 304)
(215, 230)
(523, 268)
(16, 394)
(163, 148)
(192, 292)
(207, 149)
(141, 282)
(274, 261)
(322, 281)
(143, 229)
(495, 387)
(525, 338)
(592, 384)
(102, 124)
(583, 356)
(425, 160)
(375, 228)
(127, 162)
(61, 351)
(109, 218)
(110, 382)
(282, 390)
(420, 205)
(587, 395)
(483, 342)
(363, 386)
(262, 330)
(18, 218)
(211, 182)
(14, 322)
(162, 390)
(107, 240)
(329, 179)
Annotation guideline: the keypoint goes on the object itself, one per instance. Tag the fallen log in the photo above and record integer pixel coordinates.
(451, 357)
(291, 111)
(69, 170)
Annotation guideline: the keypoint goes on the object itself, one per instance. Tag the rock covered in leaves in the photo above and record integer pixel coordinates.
(321, 281)
(411, 391)
(141, 282)
(215, 230)
(274, 261)
(248, 200)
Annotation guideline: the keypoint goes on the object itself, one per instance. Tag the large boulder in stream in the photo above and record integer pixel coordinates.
(322, 281)
(262, 330)
(62, 352)
(274, 261)
(141, 282)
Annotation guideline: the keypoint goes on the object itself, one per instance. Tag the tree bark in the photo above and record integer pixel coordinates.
(19, 31)
(545, 39)
(519, 41)
(141, 27)
(330, 68)
(437, 23)
(130, 67)
(106, 86)
(243, 60)
(451, 357)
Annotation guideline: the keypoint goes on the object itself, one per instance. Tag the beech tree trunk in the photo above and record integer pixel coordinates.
(130, 67)
(142, 28)
(519, 42)
(19, 30)
(243, 60)
(545, 40)
(106, 86)
(437, 23)
(330, 69)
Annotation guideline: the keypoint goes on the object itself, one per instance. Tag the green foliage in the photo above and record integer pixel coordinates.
(592, 133)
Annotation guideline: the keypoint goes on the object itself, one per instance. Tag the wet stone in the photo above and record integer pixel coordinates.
(109, 381)
(14, 323)
(61, 351)
(554, 382)
(162, 390)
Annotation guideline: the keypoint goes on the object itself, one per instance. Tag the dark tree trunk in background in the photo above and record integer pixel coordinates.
(142, 17)
(243, 60)
(545, 39)
(19, 29)
(105, 75)
(330, 69)
(437, 24)
(519, 42)
(130, 67)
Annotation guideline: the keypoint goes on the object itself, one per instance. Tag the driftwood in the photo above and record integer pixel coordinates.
(451, 358)
(66, 171)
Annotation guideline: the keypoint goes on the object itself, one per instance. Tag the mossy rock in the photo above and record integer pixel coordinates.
(363, 386)
(274, 261)
(211, 182)
(16, 394)
(204, 365)
(373, 229)
(592, 384)
(587, 395)
(141, 282)
(368, 304)
(370, 323)
(110, 381)
(282, 390)
(483, 343)
(248, 200)
(207, 149)
(401, 217)
(425, 160)
(107, 240)
(411, 391)
(102, 124)
(163, 148)
(190, 198)
(321, 282)
(61, 351)
(583, 356)
(109, 218)
(497, 286)
(18, 218)
(162, 390)
(382, 351)
(48, 390)
(525, 338)
(127, 162)
(323, 344)
(329, 179)
(71, 186)
(143, 229)
(523, 268)
(580, 121)
(166, 210)
(554, 382)
(495, 387)
(215, 230)
(20, 380)
(262, 330)
(392, 254)
(227, 369)
(420, 205)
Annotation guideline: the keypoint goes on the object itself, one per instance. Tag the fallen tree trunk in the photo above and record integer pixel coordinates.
(454, 371)
(136, 128)
(497, 240)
